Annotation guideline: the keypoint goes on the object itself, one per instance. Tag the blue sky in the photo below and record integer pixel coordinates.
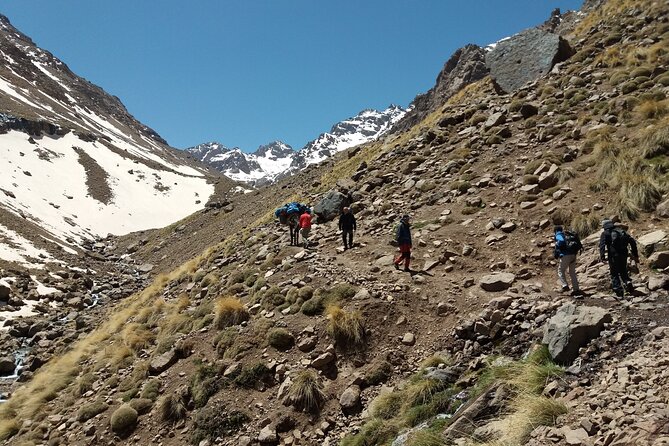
(248, 72)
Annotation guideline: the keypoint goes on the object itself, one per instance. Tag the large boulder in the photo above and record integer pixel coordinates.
(571, 328)
(549, 178)
(525, 57)
(331, 205)
(497, 281)
(652, 242)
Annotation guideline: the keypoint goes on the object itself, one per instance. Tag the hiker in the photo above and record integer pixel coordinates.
(305, 226)
(294, 228)
(403, 238)
(614, 241)
(347, 226)
(567, 247)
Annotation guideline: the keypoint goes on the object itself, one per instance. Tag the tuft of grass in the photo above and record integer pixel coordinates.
(654, 141)
(252, 375)
(84, 384)
(376, 432)
(306, 391)
(345, 327)
(425, 438)
(561, 216)
(141, 405)
(8, 428)
(378, 372)
(229, 311)
(422, 391)
(434, 361)
(280, 339)
(652, 109)
(172, 408)
(584, 225)
(387, 405)
(151, 389)
(216, 422)
(204, 385)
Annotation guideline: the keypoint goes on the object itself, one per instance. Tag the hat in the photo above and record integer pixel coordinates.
(607, 224)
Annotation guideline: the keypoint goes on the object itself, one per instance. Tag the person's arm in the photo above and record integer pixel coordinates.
(635, 252)
(602, 246)
(355, 226)
(341, 218)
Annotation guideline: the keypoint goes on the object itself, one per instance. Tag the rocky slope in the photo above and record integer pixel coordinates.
(257, 342)
(76, 164)
(276, 160)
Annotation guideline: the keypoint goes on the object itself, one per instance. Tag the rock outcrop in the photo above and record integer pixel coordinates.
(465, 66)
(526, 57)
(571, 328)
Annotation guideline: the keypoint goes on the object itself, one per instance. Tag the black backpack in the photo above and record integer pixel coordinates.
(619, 241)
(572, 242)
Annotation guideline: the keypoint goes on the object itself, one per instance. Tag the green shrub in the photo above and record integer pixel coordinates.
(280, 339)
(204, 384)
(124, 419)
(141, 405)
(215, 421)
(88, 411)
(151, 389)
(251, 375)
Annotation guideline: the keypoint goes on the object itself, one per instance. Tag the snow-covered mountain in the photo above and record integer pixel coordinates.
(265, 164)
(76, 165)
(277, 159)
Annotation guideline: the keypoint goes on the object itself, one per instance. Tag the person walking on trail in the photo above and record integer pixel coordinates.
(403, 238)
(294, 228)
(305, 227)
(347, 226)
(567, 247)
(613, 246)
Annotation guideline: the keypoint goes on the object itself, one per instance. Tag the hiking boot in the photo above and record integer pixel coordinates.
(577, 293)
(629, 287)
(397, 267)
(408, 270)
(564, 289)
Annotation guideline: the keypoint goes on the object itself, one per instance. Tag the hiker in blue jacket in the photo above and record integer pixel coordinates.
(567, 247)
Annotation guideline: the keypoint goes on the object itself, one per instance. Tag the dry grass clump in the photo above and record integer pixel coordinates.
(306, 391)
(425, 438)
(654, 141)
(387, 405)
(229, 311)
(434, 361)
(652, 109)
(584, 225)
(172, 408)
(345, 327)
(561, 216)
(124, 419)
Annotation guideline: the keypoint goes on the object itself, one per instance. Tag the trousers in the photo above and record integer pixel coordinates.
(568, 262)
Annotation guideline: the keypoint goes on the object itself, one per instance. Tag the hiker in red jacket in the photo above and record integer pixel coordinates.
(305, 226)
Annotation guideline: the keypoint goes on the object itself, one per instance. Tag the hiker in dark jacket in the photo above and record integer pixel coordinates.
(615, 241)
(403, 238)
(567, 247)
(347, 226)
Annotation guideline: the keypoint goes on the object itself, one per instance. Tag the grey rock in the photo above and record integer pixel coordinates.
(350, 400)
(323, 361)
(5, 292)
(409, 339)
(571, 328)
(497, 281)
(268, 435)
(163, 362)
(331, 205)
(525, 57)
(7, 365)
(662, 209)
(549, 178)
(653, 241)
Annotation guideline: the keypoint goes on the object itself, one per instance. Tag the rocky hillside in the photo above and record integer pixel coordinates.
(256, 342)
(276, 160)
(76, 164)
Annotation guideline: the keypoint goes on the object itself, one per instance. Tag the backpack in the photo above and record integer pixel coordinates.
(619, 240)
(572, 242)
